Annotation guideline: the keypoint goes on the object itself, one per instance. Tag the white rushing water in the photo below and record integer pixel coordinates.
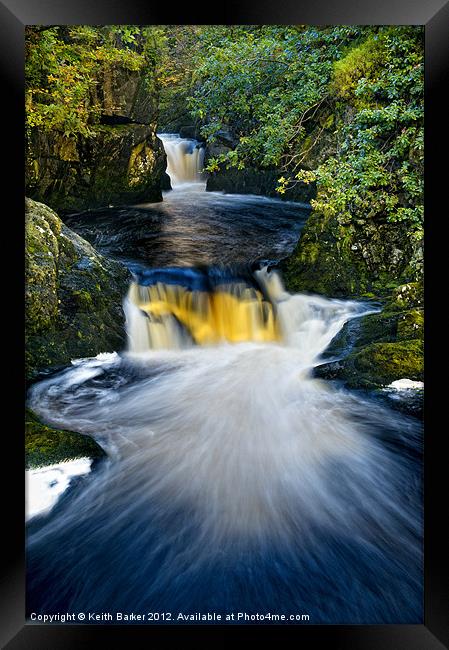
(241, 431)
(406, 384)
(46, 484)
(307, 323)
(185, 159)
(236, 481)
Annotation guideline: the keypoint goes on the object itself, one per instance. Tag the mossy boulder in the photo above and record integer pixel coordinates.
(380, 348)
(407, 296)
(73, 296)
(379, 364)
(411, 325)
(343, 258)
(45, 445)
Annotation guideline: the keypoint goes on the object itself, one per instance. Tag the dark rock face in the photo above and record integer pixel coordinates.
(380, 348)
(224, 141)
(123, 93)
(317, 146)
(73, 294)
(256, 181)
(122, 164)
(190, 131)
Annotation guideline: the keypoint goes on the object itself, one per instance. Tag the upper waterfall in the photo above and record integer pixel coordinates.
(185, 158)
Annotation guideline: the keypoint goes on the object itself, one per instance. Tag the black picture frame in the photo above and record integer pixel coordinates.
(434, 15)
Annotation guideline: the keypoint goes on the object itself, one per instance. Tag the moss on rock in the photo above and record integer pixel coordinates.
(380, 348)
(116, 165)
(121, 160)
(73, 295)
(383, 363)
(381, 328)
(338, 258)
(407, 296)
(411, 325)
(45, 445)
(322, 262)
(377, 365)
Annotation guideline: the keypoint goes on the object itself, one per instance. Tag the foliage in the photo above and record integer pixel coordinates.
(359, 62)
(273, 88)
(378, 169)
(265, 83)
(177, 50)
(65, 66)
(270, 84)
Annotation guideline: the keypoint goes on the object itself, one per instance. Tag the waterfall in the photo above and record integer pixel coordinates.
(173, 308)
(185, 158)
(179, 307)
(235, 479)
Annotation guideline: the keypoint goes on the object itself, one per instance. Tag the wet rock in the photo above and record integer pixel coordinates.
(73, 295)
(262, 182)
(45, 445)
(405, 396)
(190, 131)
(381, 348)
(117, 165)
(121, 161)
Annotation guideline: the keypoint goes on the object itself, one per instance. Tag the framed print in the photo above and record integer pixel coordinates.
(228, 323)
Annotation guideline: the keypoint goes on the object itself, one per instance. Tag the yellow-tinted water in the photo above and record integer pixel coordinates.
(233, 313)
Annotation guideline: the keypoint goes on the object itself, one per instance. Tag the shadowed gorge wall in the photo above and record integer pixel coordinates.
(119, 165)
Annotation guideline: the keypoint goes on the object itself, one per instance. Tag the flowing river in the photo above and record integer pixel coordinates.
(235, 481)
